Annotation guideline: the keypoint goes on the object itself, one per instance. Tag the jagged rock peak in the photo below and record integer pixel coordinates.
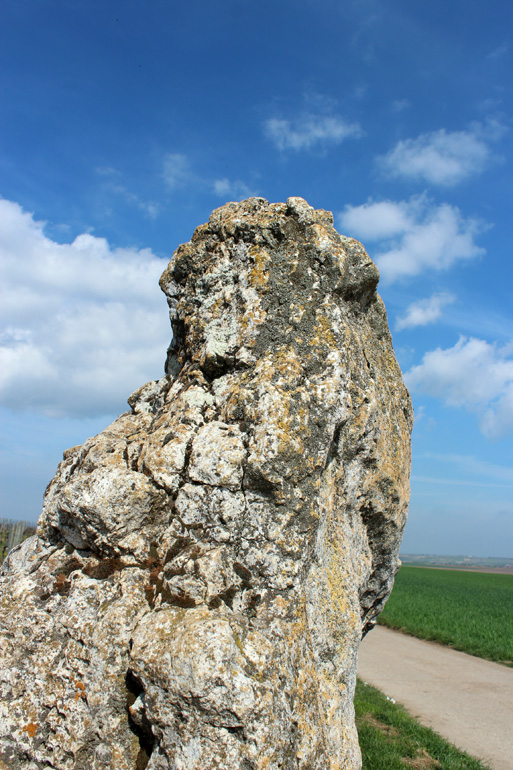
(204, 568)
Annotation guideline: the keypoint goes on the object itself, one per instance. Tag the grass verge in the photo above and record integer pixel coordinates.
(470, 611)
(390, 739)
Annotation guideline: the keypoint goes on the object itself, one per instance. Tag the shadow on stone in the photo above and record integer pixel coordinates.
(137, 721)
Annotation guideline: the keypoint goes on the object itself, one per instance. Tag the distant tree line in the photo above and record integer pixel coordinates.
(12, 533)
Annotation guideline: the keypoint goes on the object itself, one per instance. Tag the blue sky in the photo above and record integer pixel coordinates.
(125, 124)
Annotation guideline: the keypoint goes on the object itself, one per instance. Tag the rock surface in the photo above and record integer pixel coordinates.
(204, 568)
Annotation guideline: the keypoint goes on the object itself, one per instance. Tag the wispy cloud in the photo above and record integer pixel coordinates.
(112, 184)
(399, 105)
(435, 481)
(82, 323)
(178, 173)
(413, 235)
(474, 374)
(441, 157)
(477, 319)
(473, 466)
(309, 130)
(499, 52)
(176, 169)
(234, 190)
(107, 171)
(490, 104)
(424, 311)
(360, 91)
(149, 208)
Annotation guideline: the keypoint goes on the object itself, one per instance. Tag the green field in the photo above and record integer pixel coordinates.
(470, 611)
(390, 739)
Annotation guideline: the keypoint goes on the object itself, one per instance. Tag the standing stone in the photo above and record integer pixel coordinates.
(204, 568)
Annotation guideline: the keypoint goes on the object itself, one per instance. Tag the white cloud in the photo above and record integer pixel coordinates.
(82, 324)
(233, 190)
(440, 157)
(303, 133)
(414, 235)
(377, 221)
(176, 169)
(424, 311)
(475, 375)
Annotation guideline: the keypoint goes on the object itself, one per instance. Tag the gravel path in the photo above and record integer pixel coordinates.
(467, 700)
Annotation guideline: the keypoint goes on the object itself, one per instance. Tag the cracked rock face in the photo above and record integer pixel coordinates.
(204, 568)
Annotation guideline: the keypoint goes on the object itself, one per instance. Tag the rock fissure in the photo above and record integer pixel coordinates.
(137, 720)
(205, 567)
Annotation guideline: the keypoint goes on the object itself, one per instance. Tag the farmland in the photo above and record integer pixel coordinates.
(470, 611)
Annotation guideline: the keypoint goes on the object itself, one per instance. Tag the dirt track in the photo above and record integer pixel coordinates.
(467, 700)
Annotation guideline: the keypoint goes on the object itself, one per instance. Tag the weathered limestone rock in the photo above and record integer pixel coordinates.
(204, 568)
